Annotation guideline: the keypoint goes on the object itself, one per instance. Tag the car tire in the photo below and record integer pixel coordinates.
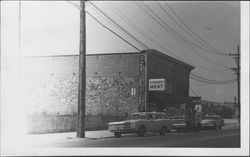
(168, 130)
(117, 134)
(196, 128)
(215, 127)
(141, 131)
(163, 130)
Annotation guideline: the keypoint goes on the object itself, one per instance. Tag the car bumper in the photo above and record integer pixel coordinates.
(122, 129)
(207, 125)
(176, 126)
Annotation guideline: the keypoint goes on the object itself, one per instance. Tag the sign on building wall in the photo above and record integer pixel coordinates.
(198, 108)
(156, 84)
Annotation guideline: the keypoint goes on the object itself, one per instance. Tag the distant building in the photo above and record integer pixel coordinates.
(116, 84)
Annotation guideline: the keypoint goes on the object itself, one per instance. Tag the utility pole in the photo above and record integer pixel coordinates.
(237, 72)
(82, 74)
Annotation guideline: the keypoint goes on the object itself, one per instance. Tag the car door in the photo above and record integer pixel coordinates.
(157, 122)
(150, 122)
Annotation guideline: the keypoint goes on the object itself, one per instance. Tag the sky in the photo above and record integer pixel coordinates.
(52, 28)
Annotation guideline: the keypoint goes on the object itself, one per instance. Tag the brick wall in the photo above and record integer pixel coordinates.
(176, 75)
(50, 87)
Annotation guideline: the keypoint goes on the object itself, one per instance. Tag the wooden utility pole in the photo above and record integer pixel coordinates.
(238, 79)
(237, 72)
(82, 74)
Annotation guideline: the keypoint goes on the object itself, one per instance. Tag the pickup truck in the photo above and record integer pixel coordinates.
(140, 123)
(187, 123)
(212, 121)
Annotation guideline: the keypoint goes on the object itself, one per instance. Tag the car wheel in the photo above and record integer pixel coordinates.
(168, 130)
(163, 130)
(141, 131)
(196, 128)
(117, 134)
(215, 127)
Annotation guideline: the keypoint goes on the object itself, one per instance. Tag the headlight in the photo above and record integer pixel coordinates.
(132, 124)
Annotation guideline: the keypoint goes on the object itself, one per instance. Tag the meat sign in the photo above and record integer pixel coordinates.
(156, 84)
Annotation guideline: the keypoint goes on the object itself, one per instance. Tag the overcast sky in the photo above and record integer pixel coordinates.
(52, 28)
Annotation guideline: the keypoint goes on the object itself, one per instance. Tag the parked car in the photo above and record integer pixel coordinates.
(212, 121)
(141, 123)
(179, 124)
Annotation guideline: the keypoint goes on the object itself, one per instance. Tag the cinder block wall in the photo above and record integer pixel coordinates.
(50, 86)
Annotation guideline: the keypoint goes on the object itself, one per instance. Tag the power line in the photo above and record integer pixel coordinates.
(140, 30)
(193, 91)
(169, 28)
(166, 12)
(195, 34)
(195, 77)
(178, 34)
(112, 31)
(209, 80)
(151, 39)
(78, 7)
(124, 30)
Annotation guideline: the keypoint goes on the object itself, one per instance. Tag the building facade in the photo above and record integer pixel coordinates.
(116, 84)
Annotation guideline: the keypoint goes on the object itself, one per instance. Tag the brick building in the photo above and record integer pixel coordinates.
(116, 84)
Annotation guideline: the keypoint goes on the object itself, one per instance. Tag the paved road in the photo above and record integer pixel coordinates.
(206, 138)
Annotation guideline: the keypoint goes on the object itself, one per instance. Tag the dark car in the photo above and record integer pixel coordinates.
(212, 121)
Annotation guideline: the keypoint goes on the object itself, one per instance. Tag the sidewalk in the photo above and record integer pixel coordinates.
(37, 139)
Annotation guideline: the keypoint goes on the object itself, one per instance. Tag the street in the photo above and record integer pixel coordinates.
(227, 138)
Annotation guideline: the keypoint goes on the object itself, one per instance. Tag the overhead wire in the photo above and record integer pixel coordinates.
(98, 21)
(188, 32)
(124, 30)
(193, 91)
(208, 69)
(77, 6)
(174, 33)
(195, 77)
(122, 16)
(209, 80)
(195, 34)
(112, 31)
(141, 31)
(173, 30)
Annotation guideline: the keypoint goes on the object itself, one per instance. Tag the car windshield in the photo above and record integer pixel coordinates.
(133, 117)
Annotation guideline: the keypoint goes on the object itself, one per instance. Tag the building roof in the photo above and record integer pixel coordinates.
(152, 51)
(155, 52)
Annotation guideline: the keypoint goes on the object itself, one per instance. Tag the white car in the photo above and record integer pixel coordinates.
(141, 123)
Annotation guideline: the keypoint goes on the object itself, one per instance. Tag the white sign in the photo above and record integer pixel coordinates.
(156, 84)
(198, 108)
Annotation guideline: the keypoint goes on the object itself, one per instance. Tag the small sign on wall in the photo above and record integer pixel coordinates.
(198, 108)
(156, 84)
